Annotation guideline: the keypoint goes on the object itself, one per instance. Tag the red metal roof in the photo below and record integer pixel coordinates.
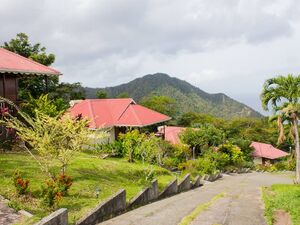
(116, 112)
(11, 62)
(267, 151)
(171, 133)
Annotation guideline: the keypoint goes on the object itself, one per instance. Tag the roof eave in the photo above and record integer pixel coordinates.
(28, 73)
(143, 125)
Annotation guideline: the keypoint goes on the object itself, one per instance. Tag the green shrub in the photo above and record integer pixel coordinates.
(131, 142)
(282, 165)
(189, 166)
(202, 165)
(182, 152)
(51, 193)
(170, 162)
(291, 165)
(235, 154)
(146, 177)
(114, 149)
(221, 159)
(268, 168)
(286, 165)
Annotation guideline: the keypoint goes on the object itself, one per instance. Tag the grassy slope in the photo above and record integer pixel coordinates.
(282, 196)
(88, 173)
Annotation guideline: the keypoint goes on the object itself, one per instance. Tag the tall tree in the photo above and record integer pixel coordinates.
(162, 104)
(35, 86)
(282, 94)
(68, 91)
(101, 94)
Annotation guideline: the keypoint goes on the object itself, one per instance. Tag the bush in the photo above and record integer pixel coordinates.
(146, 177)
(236, 156)
(51, 193)
(286, 165)
(148, 148)
(170, 162)
(64, 183)
(173, 155)
(131, 142)
(55, 189)
(113, 149)
(20, 184)
(268, 168)
(202, 165)
(221, 159)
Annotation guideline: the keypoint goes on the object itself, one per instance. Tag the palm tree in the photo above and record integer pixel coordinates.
(282, 93)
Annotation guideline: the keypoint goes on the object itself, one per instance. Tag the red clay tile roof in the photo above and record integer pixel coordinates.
(171, 133)
(116, 112)
(267, 151)
(11, 62)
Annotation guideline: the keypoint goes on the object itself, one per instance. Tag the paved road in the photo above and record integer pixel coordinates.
(241, 205)
(7, 215)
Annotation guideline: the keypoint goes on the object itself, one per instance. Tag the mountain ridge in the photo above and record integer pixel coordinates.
(188, 97)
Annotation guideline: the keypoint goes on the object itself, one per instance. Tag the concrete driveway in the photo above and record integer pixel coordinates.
(241, 204)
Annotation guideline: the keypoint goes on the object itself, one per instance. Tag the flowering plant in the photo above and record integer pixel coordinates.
(20, 183)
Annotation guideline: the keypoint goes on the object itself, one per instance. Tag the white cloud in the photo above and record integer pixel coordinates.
(228, 46)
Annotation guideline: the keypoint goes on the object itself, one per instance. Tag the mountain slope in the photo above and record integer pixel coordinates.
(188, 97)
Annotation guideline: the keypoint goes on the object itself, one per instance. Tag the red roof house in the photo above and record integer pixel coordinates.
(116, 113)
(14, 66)
(266, 153)
(171, 133)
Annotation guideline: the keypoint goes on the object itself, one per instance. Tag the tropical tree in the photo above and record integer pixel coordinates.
(282, 93)
(202, 138)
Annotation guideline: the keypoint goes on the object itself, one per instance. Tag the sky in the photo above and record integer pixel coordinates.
(227, 46)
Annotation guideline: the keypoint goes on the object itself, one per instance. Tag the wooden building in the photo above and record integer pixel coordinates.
(12, 68)
(115, 115)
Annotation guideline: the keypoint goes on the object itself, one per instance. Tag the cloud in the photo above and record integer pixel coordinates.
(105, 42)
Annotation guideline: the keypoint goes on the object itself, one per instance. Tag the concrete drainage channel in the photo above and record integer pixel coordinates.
(116, 204)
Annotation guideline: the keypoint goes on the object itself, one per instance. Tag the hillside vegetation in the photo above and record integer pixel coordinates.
(89, 173)
(188, 97)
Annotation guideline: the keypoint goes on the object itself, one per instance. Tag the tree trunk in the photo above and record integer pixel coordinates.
(297, 147)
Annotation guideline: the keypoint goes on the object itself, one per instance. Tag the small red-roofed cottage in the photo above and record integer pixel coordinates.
(170, 133)
(116, 114)
(14, 67)
(266, 153)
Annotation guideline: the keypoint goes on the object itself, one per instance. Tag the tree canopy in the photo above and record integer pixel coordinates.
(101, 94)
(162, 104)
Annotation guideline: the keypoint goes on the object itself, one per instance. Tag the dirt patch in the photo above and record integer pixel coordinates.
(281, 217)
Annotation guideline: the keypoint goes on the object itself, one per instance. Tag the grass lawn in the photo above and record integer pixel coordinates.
(285, 197)
(88, 173)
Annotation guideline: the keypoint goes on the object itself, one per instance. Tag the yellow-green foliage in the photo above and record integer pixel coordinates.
(234, 152)
(53, 140)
